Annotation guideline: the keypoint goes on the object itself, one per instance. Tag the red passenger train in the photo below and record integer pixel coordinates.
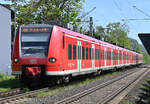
(47, 53)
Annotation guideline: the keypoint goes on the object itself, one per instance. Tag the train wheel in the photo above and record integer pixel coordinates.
(114, 69)
(99, 72)
(66, 79)
(59, 80)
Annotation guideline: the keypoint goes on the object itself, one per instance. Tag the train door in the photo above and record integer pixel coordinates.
(79, 56)
(93, 57)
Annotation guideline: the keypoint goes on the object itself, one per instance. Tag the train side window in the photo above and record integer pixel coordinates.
(110, 55)
(98, 53)
(87, 53)
(63, 41)
(107, 55)
(79, 52)
(83, 53)
(90, 53)
(74, 51)
(101, 54)
(69, 51)
(95, 54)
(114, 55)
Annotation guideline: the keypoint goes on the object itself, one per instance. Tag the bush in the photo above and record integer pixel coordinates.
(144, 97)
(8, 82)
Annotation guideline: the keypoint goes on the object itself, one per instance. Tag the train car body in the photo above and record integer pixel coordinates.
(52, 51)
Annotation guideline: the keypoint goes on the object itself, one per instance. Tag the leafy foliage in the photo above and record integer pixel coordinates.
(8, 82)
(118, 33)
(145, 94)
(39, 11)
(146, 57)
(100, 32)
(115, 33)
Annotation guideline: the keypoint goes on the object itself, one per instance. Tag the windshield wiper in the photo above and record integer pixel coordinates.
(30, 50)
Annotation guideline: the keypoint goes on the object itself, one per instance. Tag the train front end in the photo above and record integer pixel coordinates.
(30, 52)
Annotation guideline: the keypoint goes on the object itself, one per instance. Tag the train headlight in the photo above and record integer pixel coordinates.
(52, 60)
(16, 60)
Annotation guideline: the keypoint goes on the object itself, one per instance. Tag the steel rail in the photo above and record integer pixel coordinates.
(122, 88)
(20, 96)
(91, 90)
(10, 92)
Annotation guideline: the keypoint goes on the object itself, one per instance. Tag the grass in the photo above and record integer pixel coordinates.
(86, 81)
(125, 101)
(8, 82)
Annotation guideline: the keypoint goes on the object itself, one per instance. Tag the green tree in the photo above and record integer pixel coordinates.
(100, 33)
(117, 33)
(36, 11)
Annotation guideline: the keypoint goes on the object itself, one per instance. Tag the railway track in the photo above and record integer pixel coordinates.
(106, 91)
(10, 93)
(20, 96)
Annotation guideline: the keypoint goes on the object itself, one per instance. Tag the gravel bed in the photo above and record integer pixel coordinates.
(63, 94)
(134, 93)
(99, 95)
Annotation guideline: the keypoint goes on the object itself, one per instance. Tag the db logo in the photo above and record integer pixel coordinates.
(33, 61)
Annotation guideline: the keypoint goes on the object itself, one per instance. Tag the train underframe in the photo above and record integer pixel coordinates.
(38, 80)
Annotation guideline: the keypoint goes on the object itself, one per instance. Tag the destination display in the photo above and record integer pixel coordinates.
(38, 29)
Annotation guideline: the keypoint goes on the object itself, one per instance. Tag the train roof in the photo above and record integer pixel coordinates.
(93, 39)
(79, 35)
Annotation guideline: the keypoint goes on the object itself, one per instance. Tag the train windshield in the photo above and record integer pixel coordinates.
(35, 42)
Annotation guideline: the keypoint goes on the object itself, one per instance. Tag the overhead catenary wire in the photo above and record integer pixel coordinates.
(132, 11)
(141, 11)
(125, 18)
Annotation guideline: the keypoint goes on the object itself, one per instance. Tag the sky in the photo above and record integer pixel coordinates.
(109, 11)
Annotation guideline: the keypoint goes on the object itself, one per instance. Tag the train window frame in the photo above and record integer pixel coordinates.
(70, 51)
